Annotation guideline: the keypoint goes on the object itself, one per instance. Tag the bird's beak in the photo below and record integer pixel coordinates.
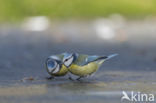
(63, 64)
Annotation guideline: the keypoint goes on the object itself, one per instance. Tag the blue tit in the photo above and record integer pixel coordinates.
(84, 65)
(55, 67)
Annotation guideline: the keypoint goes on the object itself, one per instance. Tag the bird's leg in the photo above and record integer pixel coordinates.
(79, 78)
(50, 78)
(70, 78)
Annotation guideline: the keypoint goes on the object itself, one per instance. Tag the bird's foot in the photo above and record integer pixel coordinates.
(50, 78)
(70, 78)
(79, 78)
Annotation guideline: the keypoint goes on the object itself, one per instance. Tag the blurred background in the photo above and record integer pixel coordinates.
(32, 30)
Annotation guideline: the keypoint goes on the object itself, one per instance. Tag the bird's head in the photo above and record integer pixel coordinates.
(68, 59)
(53, 65)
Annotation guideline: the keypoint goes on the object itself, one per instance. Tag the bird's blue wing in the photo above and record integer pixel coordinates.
(91, 58)
(81, 59)
(99, 58)
(85, 59)
(94, 58)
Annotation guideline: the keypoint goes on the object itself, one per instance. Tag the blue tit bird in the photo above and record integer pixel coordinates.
(55, 67)
(83, 65)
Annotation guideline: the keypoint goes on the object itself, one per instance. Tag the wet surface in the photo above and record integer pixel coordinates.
(23, 74)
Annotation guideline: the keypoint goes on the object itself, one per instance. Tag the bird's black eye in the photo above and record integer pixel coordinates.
(66, 60)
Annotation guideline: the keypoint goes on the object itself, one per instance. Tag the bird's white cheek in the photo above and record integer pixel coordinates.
(50, 69)
(57, 69)
(67, 63)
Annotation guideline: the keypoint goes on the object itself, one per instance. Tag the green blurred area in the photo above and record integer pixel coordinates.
(15, 10)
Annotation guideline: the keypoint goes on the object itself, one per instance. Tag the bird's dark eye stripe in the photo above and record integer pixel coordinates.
(68, 58)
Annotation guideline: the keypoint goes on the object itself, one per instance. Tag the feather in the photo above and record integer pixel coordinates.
(85, 59)
(81, 59)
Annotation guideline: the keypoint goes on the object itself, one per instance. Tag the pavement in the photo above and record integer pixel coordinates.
(23, 53)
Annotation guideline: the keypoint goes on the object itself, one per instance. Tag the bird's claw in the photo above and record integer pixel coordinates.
(70, 78)
(50, 78)
(78, 79)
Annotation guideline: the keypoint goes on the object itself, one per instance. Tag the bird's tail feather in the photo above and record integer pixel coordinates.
(107, 57)
(111, 56)
(104, 58)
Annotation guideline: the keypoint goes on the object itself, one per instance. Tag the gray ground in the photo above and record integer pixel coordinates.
(23, 74)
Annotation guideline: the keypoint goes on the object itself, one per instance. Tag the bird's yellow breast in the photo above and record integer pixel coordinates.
(83, 70)
(62, 71)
